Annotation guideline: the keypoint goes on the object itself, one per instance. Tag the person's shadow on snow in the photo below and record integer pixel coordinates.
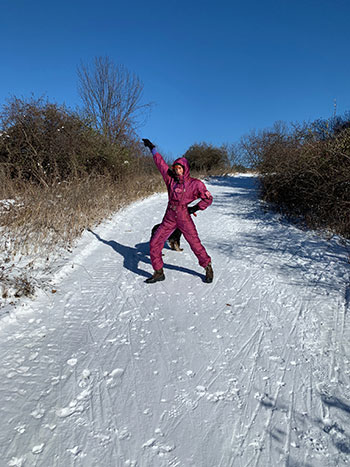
(140, 253)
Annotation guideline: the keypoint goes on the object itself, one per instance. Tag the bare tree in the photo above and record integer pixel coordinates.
(112, 98)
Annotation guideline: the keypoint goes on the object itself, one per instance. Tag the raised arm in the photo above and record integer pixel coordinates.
(158, 159)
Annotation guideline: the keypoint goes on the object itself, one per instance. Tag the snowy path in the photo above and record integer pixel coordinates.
(252, 370)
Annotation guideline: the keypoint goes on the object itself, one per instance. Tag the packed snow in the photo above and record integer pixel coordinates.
(251, 370)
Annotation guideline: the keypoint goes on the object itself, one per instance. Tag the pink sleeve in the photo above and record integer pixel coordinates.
(161, 165)
(205, 195)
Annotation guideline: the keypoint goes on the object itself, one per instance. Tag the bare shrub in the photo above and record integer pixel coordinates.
(43, 142)
(305, 172)
(237, 158)
(260, 147)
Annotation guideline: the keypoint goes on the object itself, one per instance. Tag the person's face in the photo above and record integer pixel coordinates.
(179, 170)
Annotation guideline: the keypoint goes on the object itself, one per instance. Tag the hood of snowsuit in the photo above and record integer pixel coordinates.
(186, 166)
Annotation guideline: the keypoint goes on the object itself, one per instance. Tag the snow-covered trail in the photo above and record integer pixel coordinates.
(252, 370)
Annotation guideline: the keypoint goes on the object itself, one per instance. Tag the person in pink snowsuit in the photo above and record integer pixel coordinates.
(182, 190)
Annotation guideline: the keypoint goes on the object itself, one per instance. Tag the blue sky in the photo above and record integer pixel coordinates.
(214, 70)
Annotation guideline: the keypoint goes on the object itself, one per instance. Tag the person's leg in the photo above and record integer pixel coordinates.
(190, 233)
(161, 235)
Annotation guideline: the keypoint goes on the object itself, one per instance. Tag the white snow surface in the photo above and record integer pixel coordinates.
(251, 370)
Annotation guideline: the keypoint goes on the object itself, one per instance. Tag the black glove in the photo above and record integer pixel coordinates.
(193, 209)
(148, 143)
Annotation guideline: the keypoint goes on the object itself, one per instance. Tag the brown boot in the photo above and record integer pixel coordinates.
(158, 275)
(209, 273)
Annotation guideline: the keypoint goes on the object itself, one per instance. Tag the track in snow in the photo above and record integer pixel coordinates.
(252, 370)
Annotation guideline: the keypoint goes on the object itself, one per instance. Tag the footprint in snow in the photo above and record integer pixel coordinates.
(123, 433)
(38, 413)
(113, 376)
(66, 411)
(75, 405)
(38, 449)
(161, 449)
(17, 462)
(33, 356)
(84, 378)
(75, 451)
(72, 361)
(20, 428)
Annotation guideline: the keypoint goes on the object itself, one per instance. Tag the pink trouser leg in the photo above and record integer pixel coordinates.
(171, 221)
(190, 233)
(167, 227)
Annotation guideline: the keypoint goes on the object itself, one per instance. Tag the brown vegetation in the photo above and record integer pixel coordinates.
(206, 158)
(44, 217)
(62, 175)
(305, 171)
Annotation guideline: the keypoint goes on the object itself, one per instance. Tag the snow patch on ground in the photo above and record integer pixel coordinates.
(252, 369)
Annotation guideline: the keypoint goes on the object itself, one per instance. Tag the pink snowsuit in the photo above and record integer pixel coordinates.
(181, 191)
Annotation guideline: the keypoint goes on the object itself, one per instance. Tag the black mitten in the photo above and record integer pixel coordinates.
(148, 144)
(193, 209)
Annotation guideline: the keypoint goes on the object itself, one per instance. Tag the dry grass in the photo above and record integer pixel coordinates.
(37, 221)
(43, 218)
